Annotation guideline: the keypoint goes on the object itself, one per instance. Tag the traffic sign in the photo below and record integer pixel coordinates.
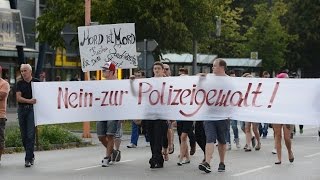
(151, 45)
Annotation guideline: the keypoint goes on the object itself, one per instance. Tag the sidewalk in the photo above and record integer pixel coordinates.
(12, 116)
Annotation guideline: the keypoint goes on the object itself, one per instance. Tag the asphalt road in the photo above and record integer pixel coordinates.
(84, 163)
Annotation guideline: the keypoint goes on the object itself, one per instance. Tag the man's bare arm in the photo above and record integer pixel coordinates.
(21, 99)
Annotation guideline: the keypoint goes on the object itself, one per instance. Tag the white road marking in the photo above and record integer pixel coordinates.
(251, 171)
(312, 155)
(90, 167)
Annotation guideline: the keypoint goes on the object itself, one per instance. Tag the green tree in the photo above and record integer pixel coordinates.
(268, 36)
(174, 24)
(56, 16)
(230, 42)
(303, 19)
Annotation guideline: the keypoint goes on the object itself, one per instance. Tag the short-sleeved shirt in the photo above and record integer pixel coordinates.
(4, 88)
(25, 88)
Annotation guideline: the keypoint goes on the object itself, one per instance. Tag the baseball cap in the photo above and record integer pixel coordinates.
(109, 66)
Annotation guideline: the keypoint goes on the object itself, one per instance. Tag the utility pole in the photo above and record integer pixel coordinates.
(194, 57)
(270, 3)
(145, 47)
(86, 125)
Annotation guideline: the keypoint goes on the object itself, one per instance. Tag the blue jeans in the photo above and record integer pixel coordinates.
(27, 129)
(234, 126)
(263, 129)
(135, 134)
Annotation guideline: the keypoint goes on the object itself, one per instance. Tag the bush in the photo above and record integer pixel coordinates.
(56, 135)
(48, 136)
(13, 137)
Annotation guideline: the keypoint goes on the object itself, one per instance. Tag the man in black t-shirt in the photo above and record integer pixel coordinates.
(25, 112)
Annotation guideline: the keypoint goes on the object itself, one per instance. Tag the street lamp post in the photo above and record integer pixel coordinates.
(86, 125)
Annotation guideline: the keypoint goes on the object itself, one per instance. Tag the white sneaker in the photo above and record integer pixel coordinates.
(237, 143)
(131, 145)
(274, 151)
(229, 147)
(105, 162)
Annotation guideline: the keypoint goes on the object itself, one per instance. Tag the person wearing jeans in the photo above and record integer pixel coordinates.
(263, 130)
(135, 135)
(27, 129)
(25, 112)
(235, 130)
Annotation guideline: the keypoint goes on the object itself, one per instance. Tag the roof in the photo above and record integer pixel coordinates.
(243, 62)
(187, 58)
(208, 59)
(11, 51)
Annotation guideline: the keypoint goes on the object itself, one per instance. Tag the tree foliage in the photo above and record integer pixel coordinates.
(230, 42)
(268, 36)
(303, 19)
(270, 29)
(56, 16)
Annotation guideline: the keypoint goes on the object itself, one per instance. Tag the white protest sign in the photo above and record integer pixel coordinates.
(107, 43)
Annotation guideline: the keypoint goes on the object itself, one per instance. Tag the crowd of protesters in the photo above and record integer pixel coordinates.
(159, 133)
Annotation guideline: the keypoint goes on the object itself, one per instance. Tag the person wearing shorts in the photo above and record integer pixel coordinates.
(215, 130)
(106, 130)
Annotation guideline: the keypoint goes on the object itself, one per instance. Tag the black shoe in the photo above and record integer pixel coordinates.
(193, 150)
(222, 167)
(32, 161)
(205, 167)
(116, 156)
(27, 164)
(291, 159)
(253, 141)
(171, 150)
(152, 163)
(158, 165)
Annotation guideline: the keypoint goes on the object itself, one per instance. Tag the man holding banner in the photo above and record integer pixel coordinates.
(215, 130)
(157, 129)
(25, 112)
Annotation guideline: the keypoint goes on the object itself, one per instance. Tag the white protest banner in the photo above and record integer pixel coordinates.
(286, 101)
(107, 43)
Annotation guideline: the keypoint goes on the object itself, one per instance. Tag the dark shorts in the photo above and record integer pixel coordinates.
(216, 130)
(185, 126)
(107, 128)
(2, 128)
